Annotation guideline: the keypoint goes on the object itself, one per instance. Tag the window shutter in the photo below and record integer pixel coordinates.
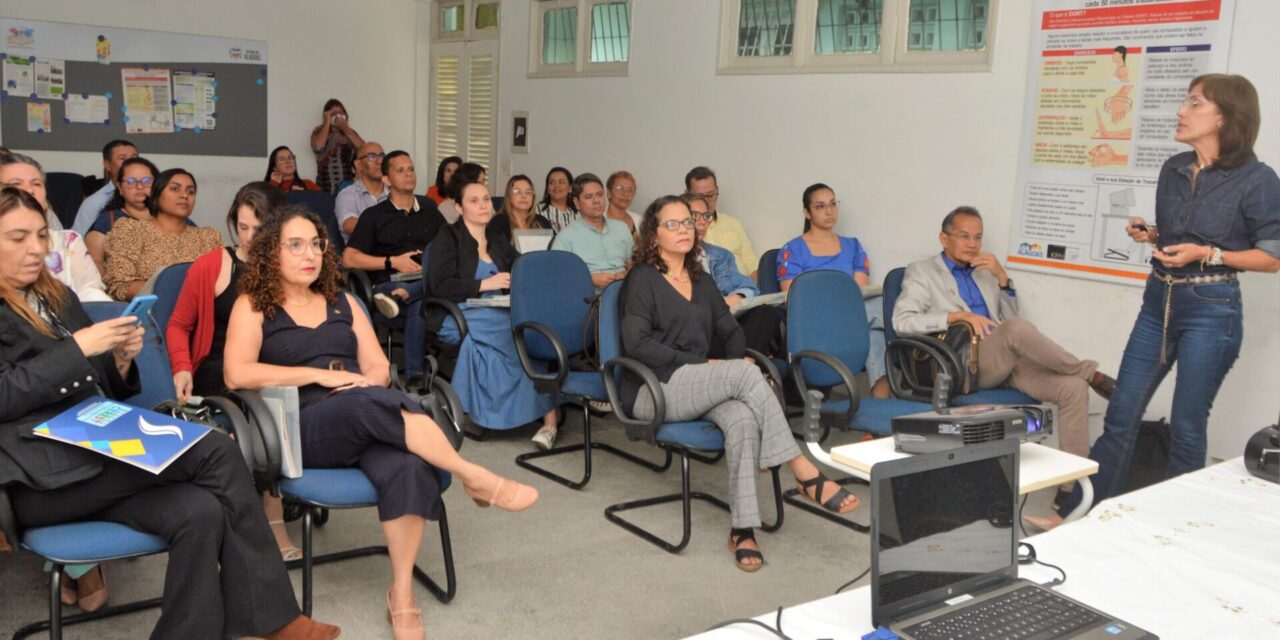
(481, 109)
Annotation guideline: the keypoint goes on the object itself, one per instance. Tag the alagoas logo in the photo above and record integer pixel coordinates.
(1032, 249)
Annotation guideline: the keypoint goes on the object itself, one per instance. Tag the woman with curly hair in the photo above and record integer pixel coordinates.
(675, 321)
(294, 326)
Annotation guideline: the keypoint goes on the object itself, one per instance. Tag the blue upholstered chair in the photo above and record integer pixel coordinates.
(549, 311)
(321, 204)
(152, 362)
(903, 384)
(828, 337)
(690, 440)
(167, 287)
(767, 273)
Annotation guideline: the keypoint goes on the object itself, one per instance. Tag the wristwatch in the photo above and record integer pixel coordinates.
(1008, 285)
(387, 263)
(1215, 258)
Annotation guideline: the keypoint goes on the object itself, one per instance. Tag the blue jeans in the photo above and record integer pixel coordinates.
(1206, 327)
(415, 326)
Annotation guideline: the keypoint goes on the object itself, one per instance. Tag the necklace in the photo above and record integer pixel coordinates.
(684, 279)
(298, 304)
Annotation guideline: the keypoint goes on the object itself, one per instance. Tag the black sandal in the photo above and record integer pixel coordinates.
(832, 504)
(737, 537)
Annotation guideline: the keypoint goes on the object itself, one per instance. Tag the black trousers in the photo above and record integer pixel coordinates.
(762, 328)
(225, 576)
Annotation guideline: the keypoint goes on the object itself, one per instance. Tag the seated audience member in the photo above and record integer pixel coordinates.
(621, 188)
(761, 326)
(557, 205)
(113, 155)
(68, 260)
(139, 249)
(470, 259)
(820, 247)
(135, 178)
(444, 171)
(337, 147)
(725, 231)
(604, 244)
(295, 326)
(673, 320)
(366, 191)
(221, 579)
(466, 172)
(517, 212)
(963, 284)
(282, 172)
(389, 239)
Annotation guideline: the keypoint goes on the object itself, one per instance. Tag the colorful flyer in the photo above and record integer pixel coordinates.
(195, 100)
(39, 117)
(19, 76)
(1103, 91)
(148, 100)
(51, 79)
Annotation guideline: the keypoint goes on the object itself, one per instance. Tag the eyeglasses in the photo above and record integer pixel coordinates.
(133, 182)
(522, 192)
(625, 190)
(964, 237)
(286, 158)
(374, 157)
(298, 246)
(672, 225)
(710, 195)
(822, 207)
(705, 216)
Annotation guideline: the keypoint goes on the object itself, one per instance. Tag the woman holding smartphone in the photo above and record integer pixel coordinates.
(334, 143)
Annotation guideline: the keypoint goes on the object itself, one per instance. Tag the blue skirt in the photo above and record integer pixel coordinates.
(489, 380)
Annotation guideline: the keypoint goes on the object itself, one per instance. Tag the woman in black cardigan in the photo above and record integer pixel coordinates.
(470, 259)
(52, 357)
(675, 321)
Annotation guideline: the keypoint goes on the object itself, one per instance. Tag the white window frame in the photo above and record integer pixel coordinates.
(469, 31)
(893, 56)
(582, 65)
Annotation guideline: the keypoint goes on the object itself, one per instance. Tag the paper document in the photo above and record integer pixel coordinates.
(51, 79)
(147, 100)
(496, 302)
(19, 77)
(195, 100)
(772, 299)
(87, 109)
(39, 118)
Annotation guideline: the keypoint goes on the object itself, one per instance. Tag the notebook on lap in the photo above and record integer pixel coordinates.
(145, 439)
(944, 554)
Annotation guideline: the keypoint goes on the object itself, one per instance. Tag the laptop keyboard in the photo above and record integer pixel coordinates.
(1027, 613)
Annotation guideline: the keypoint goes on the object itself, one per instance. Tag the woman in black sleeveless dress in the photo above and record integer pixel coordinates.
(294, 326)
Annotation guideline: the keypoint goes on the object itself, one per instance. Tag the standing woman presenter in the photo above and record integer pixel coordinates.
(1217, 214)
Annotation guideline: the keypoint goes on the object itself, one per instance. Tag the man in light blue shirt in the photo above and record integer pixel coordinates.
(604, 244)
(113, 155)
(364, 192)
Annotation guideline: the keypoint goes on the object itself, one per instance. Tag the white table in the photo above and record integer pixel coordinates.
(1194, 557)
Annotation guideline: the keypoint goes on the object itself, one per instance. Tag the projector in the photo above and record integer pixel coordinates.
(952, 428)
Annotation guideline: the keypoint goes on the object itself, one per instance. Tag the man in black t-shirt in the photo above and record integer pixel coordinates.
(389, 239)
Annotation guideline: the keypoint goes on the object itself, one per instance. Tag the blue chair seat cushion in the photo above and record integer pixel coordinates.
(875, 415)
(697, 434)
(1003, 395)
(585, 383)
(339, 488)
(92, 541)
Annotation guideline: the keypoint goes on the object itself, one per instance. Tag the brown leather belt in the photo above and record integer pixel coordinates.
(1170, 282)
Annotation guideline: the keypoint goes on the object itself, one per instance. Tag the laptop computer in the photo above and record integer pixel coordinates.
(944, 554)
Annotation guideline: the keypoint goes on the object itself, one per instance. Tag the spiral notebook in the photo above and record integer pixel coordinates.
(145, 439)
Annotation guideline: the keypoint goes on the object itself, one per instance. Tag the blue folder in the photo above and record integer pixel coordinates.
(144, 439)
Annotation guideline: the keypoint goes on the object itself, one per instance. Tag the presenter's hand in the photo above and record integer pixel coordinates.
(182, 385)
(982, 325)
(99, 338)
(991, 263)
(404, 263)
(1178, 255)
(496, 282)
(1139, 234)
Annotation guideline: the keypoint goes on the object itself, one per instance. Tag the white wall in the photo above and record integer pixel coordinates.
(900, 150)
(362, 53)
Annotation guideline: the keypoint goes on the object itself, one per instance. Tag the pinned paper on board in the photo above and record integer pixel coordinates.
(104, 50)
(195, 100)
(51, 79)
(148, 100)
(86, 109)
(39, 117)
(19, 77)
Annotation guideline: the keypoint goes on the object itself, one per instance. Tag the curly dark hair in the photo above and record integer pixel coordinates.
(646, 245)
(261, 280)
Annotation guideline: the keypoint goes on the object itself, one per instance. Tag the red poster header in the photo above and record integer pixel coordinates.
(1196, 11)
(1089, 52)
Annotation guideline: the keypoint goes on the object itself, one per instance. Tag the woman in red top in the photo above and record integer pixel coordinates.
(282, 172)
(443, 173)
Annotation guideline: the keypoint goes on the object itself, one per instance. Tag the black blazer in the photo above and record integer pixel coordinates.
(41, 377)
(451, 266)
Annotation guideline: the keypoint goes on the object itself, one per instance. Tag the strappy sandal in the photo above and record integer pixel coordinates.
(740, 556)
(290, 552)
(834, 504)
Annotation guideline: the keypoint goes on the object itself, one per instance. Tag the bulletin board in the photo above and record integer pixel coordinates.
(73, 87)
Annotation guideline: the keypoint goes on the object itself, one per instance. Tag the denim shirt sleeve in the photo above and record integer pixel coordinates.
(724, 270)
(1261, 209)
(1232, 209)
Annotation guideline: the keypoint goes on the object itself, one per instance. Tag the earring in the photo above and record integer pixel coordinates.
(1219, 124)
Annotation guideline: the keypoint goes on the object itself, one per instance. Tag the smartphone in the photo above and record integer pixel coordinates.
(139, 307)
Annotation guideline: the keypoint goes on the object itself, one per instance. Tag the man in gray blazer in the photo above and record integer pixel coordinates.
(963, 284)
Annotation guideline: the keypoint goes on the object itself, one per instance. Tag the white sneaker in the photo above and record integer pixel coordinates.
(600, 406)
(386, 304)
(545, 437)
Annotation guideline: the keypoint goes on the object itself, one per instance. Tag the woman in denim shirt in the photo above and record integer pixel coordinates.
(1217, 214)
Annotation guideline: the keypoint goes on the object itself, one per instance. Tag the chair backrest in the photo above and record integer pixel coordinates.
(65, 194)
(892, 289)
(551, 288)
(321, 204)
(153, 362)
(168, 286)
(767, 273)
(610, 337)
(497, 202)
(825, 313)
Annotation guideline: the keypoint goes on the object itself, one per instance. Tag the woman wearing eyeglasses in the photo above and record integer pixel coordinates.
(282, 172)
(820, 247)
(517, 212)
(621, 188)
(135, 178)
(294, 325)
(675, 322)
(141, 248)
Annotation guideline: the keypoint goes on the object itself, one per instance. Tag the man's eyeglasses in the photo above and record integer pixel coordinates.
(964, 237)
(374, 157)
(823, 207)
(710, 195)
(672, 225)
(705, 216)
(133, 182)
(625, 190)
(298, 246)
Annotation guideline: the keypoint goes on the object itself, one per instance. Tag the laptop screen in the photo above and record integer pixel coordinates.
(942, 526)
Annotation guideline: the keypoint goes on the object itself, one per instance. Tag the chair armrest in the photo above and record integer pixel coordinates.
(636, 429)
(544, 382)
(846, 379)
(246, 435)
(359, 284)
(453, 422)
(8, 521)
(770, 372)
(266, 465)
(902, 379)
(451, 308)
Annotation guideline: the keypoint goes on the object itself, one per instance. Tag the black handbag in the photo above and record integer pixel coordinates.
(962, 355)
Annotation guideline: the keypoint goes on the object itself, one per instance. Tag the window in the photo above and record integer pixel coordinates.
(807, 36)
(458, 20)
(579, 37)
(487, 15)
(463, 107)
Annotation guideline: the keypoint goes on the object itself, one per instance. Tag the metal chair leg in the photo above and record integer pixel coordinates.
(55, 602)
(686, 497)
(777, 503)
(56, 621)
(586, 447)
